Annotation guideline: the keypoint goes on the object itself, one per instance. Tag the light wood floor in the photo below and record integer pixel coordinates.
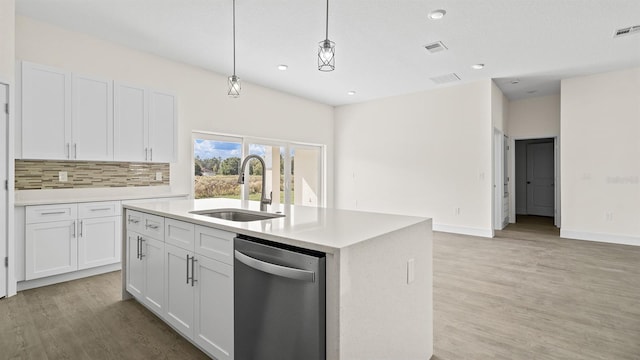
(526, 294)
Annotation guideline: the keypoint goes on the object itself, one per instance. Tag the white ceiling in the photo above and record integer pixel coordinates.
(379, 43)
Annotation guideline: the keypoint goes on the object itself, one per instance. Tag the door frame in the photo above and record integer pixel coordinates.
(498, 178)
(10, 246)
(556, 169)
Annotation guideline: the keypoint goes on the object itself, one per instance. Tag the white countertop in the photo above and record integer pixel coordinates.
(321, 229)
(62, 196)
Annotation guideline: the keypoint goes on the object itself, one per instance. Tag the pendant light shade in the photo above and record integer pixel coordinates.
(234, 81)
(326, 49)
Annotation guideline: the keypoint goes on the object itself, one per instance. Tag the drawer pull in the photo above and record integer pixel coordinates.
(154, 227)
(53, 213)
(100, 209)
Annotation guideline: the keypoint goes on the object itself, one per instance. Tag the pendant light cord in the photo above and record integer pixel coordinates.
(234, 37)
(327, 22)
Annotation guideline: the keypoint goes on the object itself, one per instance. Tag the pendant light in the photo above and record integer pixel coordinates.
(234, 81)
(327, 50)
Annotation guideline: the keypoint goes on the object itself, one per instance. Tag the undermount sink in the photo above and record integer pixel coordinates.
(237, 215)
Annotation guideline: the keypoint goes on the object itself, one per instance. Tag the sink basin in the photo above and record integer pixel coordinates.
(237, 215)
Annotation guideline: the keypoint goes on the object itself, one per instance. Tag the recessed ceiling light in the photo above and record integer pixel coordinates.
(516, 81)
(282, 67)
(477, 66)
(351, 92)
(437, 14)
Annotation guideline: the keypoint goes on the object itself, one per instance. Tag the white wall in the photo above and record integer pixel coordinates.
(537, 117)
(7, 40)
(600, 125)
(203, 103)
(424, 154)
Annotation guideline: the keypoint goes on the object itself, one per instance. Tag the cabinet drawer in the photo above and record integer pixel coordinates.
(179, 233)
(98, 209)
(135, 221)
(215, 244)
(153, 226)
(49, 213)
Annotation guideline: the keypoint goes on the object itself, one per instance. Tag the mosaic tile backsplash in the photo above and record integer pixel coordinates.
(39, 174)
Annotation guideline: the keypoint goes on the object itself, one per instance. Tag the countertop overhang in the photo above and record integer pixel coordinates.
(321, 229)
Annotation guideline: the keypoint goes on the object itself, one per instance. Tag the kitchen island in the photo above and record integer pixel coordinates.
(379, 302)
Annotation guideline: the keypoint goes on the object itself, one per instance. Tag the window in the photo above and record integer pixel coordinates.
(293, 171)
(216, 162)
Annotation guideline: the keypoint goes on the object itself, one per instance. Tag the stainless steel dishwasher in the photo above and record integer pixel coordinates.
(279, 295)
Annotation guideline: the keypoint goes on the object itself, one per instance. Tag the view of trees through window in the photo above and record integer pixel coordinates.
(217, 162)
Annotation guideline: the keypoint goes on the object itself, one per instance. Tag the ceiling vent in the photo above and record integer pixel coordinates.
(627, 31)
(435, 47)
(443, 79)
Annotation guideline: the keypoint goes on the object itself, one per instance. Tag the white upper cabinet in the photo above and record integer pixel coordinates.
(92, 118)
(162, 127)
(145, 124)
(67, 116)
(46, 112)
(131, 120)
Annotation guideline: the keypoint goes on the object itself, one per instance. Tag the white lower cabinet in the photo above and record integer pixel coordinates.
(198, 290)
(51, 248)
(179, 290)
(145, 270)
(99, 241)
(213, 327)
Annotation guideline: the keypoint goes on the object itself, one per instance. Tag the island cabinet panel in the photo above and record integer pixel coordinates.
(214, 308)
(135, 267)
(145, 270)
(195, 277)
(214, 243)
(179, 289)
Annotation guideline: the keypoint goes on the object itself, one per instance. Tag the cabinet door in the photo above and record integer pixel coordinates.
(153, 255)
(51, 249)
(46, 112)
(99, 241)
(214, 307)
(91, 119)
(130, 123)
(178, 289)
(135, 266)
(162, 127)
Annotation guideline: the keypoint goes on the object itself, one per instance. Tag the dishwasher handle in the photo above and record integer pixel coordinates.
(278, 270)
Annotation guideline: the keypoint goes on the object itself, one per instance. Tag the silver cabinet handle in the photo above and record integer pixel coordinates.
(75, 150)
(193, 273)
(53, 213)
(154, 227)
(80, 228)
(150, 154)
(278, 270)
(102, 209)
(131, 220)
(73, 227)
(68, 152)
(146, 150)
(138, 247)
(141, 253)
(188, 269)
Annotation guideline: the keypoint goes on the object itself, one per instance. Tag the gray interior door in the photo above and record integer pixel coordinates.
(540, 179)
(4, 151)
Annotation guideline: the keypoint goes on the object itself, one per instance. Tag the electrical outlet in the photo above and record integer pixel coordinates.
(62, 176)
(159, 176)
(609, 216)
(411, 271)
(456, 211)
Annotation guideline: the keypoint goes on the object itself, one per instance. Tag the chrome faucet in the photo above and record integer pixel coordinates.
(264, 201)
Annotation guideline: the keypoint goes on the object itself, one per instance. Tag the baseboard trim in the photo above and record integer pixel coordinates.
(600, 237)
(463, 230)
(56, 279)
